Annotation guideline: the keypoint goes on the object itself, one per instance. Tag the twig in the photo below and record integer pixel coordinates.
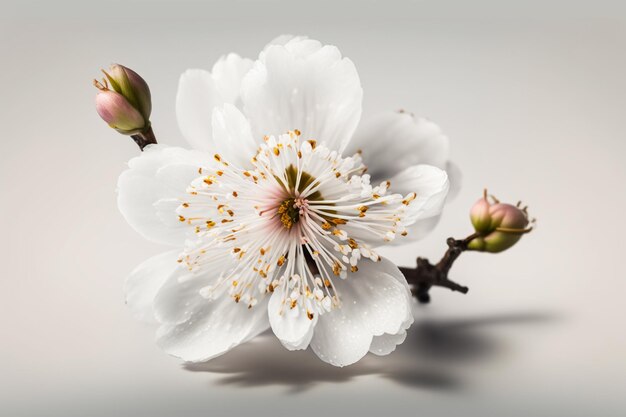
(426, 275)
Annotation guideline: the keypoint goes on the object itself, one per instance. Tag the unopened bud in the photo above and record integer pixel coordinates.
(114, 109)
(124, 100)
(480, 217)
(498, 225)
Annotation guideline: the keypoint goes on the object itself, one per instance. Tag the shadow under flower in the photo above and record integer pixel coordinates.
(428, 359)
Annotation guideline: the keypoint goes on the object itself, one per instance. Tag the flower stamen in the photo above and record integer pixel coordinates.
(289, 213)
(296, 221)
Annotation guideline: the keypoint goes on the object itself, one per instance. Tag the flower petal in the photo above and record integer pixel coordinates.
(375, 301)
(393, 141)
(387, 343)
(197, 326)
(182, 293)
(282, 40)
(227, 73)
(145, 281)
(431, 186)
(231, 132)
(292, 326)
(455, 176)
(140, 187)
(306, 86)
(213, 329)
(197, 95)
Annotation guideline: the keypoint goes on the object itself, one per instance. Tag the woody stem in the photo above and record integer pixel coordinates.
(426, 275)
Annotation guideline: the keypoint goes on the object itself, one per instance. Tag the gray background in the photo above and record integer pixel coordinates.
(532, 96)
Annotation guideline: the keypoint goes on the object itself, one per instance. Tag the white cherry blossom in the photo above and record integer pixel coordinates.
(274, 224)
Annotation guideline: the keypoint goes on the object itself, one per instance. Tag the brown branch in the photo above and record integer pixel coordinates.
(426, 275)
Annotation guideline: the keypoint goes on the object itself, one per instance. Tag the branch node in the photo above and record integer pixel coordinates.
(426, 275)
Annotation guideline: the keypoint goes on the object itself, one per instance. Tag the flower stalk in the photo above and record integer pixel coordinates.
(145, 138)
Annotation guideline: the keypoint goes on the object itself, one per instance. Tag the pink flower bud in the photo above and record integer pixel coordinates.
(124, 100)
(479, 215)
(129, 84)
(114, 109)
(498, 225)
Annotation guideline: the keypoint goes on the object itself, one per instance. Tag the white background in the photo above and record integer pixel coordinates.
(532, 96)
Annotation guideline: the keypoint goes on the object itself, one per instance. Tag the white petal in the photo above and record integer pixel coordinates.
(418, 230)
(431, 186)
(196, 328)
(292, 327)
(144, 282)
(140, 188)
(306, 86)
(174, 180)
(228, 72)
(378, 295)
(375, 301)
(340, 339)
(179, 298)
(232, 135)
(387, 343)
(213, 329)
(455, 176)
(394, 141)
(282, 40)
(197, 96)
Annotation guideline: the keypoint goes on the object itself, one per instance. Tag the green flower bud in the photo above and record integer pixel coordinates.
(498, 225)
(124, 100)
